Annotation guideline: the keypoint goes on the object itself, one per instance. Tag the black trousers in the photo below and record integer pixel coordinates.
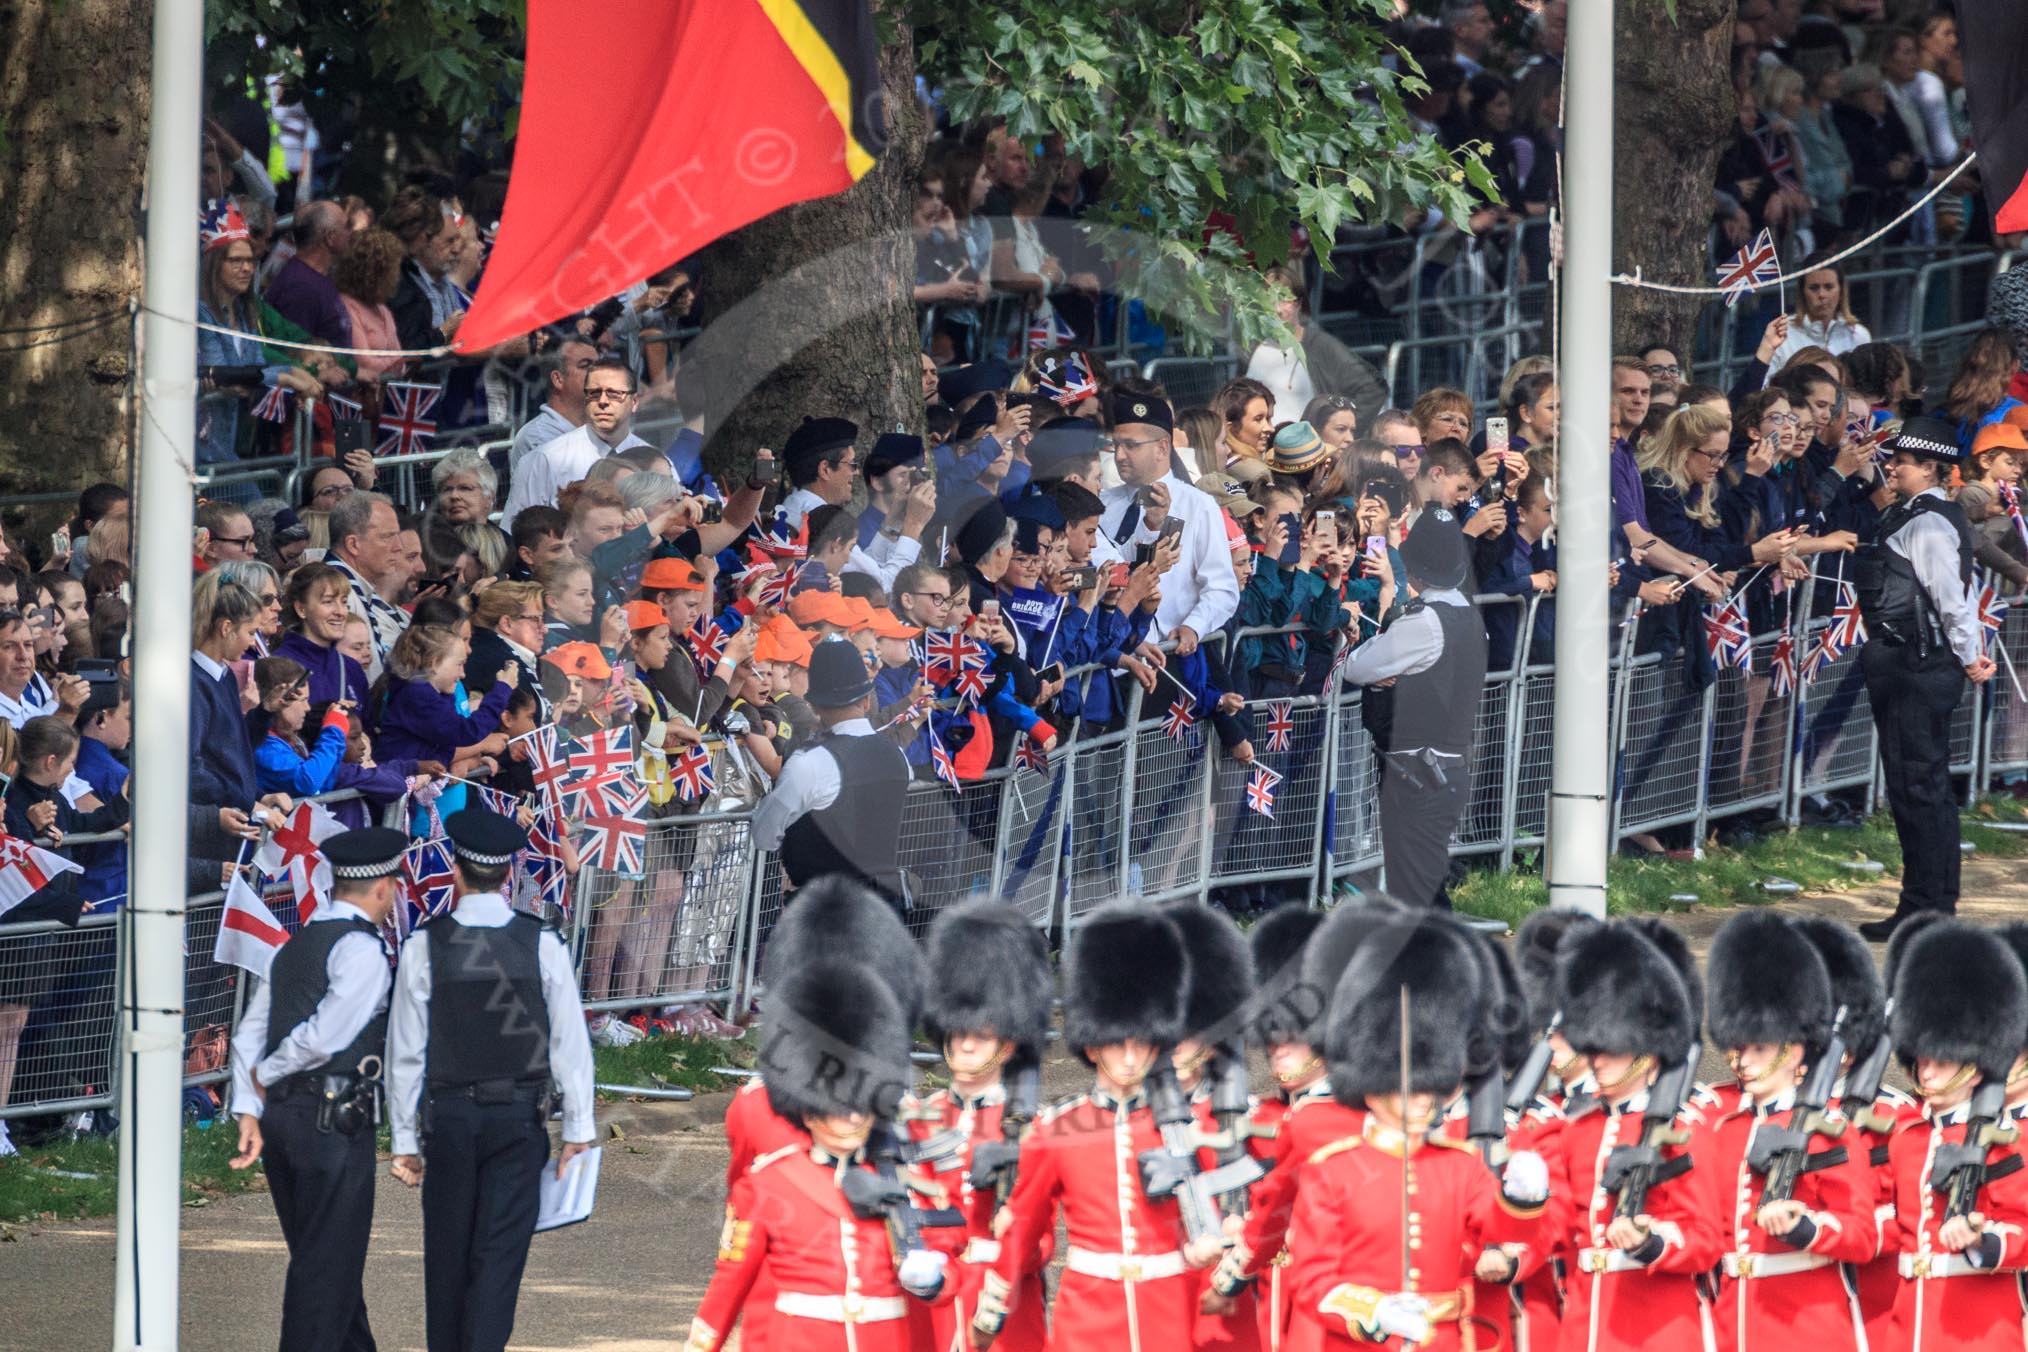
(1912, 702)
(482, 1167)
(322, 1184)
(1417, 816)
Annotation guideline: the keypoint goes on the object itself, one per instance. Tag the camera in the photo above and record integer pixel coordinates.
(712, 511)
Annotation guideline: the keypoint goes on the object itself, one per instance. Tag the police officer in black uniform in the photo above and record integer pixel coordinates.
(1922, 641)
(836, 808)
(306, 1064)
(1435, 655)
(486, 1015)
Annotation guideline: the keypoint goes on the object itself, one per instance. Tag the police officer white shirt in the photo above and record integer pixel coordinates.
(1201, 592)
(408, 1027)
(1414, 642)
(356, 968)
(1930, 545)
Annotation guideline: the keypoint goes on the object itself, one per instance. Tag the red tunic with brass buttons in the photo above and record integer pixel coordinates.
(1642, 1309)
(1124, 1283)
(1027, 1326)
(1314, 1120)
(1879, 1281)
(832, 1273)
(1346, 1236)
(1527, 1311)
(1943, 1306)
(1239, 1331)
(1771, 1295)
(753, 1129)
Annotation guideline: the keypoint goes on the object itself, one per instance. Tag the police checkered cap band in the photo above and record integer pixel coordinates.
(1947, 450)
(475, 857)
(379, 869)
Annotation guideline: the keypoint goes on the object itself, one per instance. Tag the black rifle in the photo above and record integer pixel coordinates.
(1959, 1171)
(996, 1164)
(1172, 1169)
(1632, 1171)
(882, 1192)
(1486, 1117)
(1862, 1086)
(1231, 1103)
(1782, 1154)
(1528, 1080)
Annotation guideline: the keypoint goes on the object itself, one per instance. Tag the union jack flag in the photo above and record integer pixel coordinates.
(343, 409)
(946, 652)
(1991, 609)
(1755, 265)
(690, 772)
(2011, 497)
(1260, 790)
(1781, 666)
(1727, 637)
(1774, 153)
(542, 862)
(546, 763)
(1179, 718)
(1049, 330)
(1067, 380)
(405, 415)
(780, 542)
(1823, 655)
(616, 844)
(607, 785)
(1846, 622)
(940, 759)
(970, 683)
(775, 582)
(1281, 724)
(1030, 755)
(707, 644)
(427, 885)
(505, 804)
(273, 405)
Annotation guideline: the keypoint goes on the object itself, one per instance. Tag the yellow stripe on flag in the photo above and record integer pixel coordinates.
(814, 54)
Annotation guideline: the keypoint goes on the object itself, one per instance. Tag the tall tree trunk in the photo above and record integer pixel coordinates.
(73, 150)
(1673, 113)
(808, 311)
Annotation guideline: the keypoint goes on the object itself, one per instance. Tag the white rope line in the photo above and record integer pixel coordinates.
(1623, 279)
(267, 340)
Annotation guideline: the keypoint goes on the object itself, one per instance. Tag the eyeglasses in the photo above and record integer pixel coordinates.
(240, 543)
(1783, 420)
(599, 396)
(270, 599)
(1414, 451)
(1660, 371)
(1122, 445)
(1716, 457)
(934, 598)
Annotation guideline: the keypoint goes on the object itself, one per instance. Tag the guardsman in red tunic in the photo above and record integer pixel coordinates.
(1780, 1285)
(1960, 1018)
(1126, 1279)
(827, 917)
(1389, 1223)
(1857, 989)
(988, 1008)
(836, 1059)
(1633, 1278)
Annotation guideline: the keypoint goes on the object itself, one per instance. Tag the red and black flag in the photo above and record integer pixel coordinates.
(650, 128)
(1993, 35)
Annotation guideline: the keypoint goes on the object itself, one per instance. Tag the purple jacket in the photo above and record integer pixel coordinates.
(333, 675)
(421, 722)
(381, 785)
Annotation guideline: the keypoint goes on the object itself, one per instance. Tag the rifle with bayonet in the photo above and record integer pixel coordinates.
(1528, 1079)
(1173, 1170)
(1632, 1170)
(1486, 1117)
(996, 1164)
(884, 1192)
(1782, 1154)
(1960, 1170)
(1862, 1086)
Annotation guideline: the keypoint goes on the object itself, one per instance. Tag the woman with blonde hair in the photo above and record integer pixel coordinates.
(1680, 468)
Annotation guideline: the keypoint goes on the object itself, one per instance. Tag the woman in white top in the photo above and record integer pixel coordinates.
(1285, 370)
(1823, 318)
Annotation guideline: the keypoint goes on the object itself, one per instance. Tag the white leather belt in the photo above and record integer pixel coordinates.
(1752, 1265)
(1939, 1265)
(841, 1309)
(980, 1251)
(1608, 1260)
(1124, 1267)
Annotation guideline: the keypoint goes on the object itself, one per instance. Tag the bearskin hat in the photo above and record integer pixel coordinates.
(1278, 941)
(1619, 993)
(1535, 955)
(1221, 973)
(2015, 936)
(1330, 951)
(1855, 980)
(1959, 995)
(1126, 974)
(1767, 983)
(1676, 949)
(1433, 958)
(834, 915)
(1904, 935)
(1508, 1009)
(836, 1042)
(989, 972)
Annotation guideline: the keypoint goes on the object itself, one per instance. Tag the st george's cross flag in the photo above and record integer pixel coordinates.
(249, 935)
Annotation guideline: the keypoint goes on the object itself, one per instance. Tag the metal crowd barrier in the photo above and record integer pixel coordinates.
(1127, 810)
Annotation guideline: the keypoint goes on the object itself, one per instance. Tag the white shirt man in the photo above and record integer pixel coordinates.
(1200, 593)
(610, 398)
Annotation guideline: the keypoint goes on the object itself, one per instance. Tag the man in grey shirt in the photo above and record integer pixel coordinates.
(563, 368)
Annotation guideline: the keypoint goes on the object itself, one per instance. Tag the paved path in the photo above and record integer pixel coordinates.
(625, 1282)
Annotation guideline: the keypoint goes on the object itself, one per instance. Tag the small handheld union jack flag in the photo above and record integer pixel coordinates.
(1030, 755)
(406, 417)
(343, 409)
(2011, 498)
(1755, 265)
(604, 782)
(1991, 610)
(1281, 724)
(1260, 790)
(1727, 637)
(615, 844)
(1178, 720)
(1823, 655)
(1846, 621)
(946, 652)
(941, 761)
(1781, 666)
(690, 772)
(542, 862)
(427, 886)
(273, 405)
(546, 762)
(1049, 330)
(970, 684)
(707, 644)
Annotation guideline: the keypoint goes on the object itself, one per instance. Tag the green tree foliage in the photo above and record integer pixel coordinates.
(1269, 112)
